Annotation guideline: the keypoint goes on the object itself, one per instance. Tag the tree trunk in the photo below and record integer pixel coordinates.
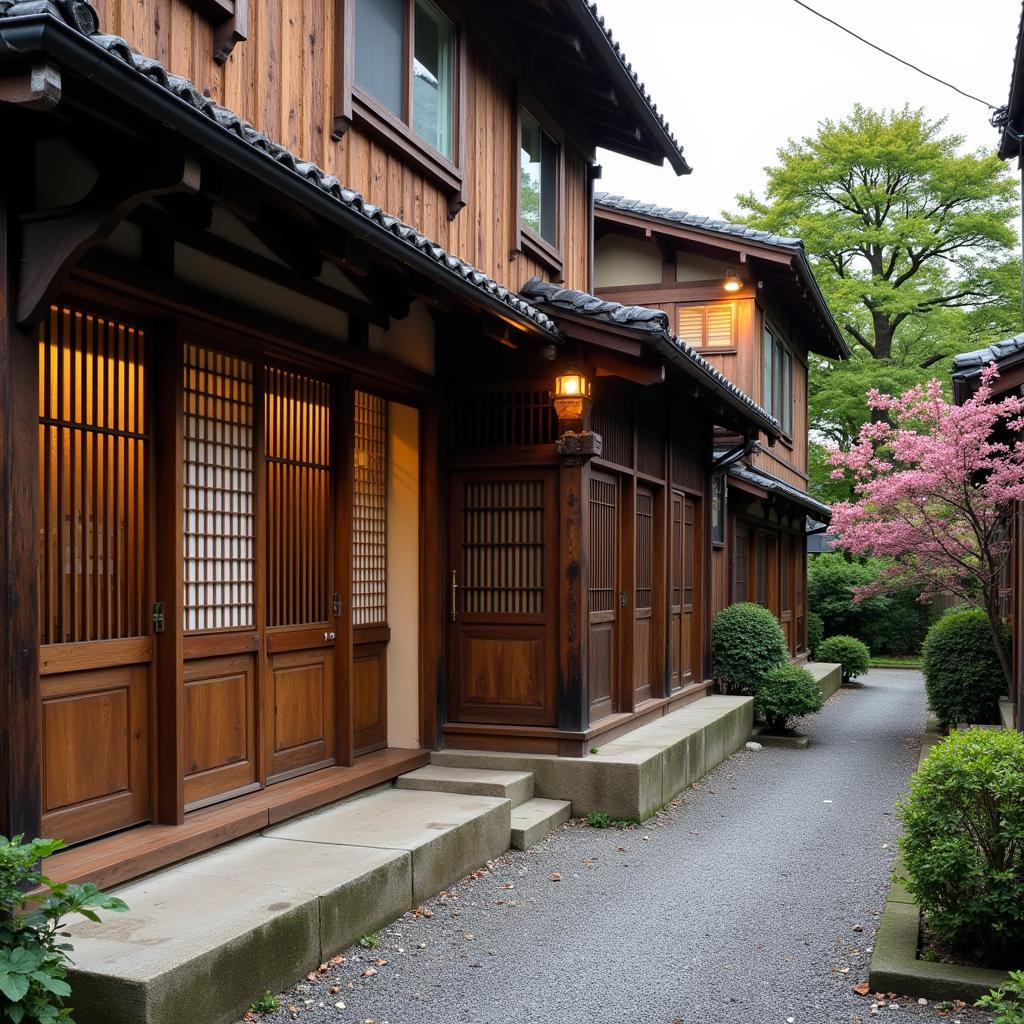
(995, 624)
(883, 332)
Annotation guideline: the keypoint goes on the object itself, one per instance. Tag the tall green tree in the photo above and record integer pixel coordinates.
(912, 241)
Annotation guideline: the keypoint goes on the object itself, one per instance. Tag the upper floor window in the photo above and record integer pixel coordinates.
(538, 179)
(778, 379)
(405, 56)
(712, 326)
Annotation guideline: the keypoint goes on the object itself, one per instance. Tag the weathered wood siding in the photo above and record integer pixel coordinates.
(282, 80)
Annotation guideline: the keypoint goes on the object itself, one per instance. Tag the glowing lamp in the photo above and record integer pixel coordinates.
(572, 389)
(732, 282)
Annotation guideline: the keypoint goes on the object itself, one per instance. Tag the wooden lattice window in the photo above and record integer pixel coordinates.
(644, 549)
(787, 566)
(740, 566)
(616, 436)
(369, 512)
(503, 547)
(500, 419)
(603, 514)
(297, 418)
(93, 465)
(712, 326)
(219, 489)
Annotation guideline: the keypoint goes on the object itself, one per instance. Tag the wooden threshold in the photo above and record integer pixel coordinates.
(138, 851)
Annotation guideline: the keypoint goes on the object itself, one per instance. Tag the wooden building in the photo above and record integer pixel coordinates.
(747, 302)
(304, 469)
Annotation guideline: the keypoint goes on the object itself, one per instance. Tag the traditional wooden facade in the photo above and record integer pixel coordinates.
(748, 303)
(287, 501)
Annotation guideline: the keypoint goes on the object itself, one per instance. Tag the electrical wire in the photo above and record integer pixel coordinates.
(906, 63)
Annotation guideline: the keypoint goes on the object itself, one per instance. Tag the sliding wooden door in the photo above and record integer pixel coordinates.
(95, 611)
(603, 595)
(502, 610)
(643, 594)
(685, 626)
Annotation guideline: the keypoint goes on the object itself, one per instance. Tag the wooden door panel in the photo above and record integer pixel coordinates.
(692, 561)
(601, 660)
(370, 696)
(675, 623)
(603, 595)
(643, 583)
(499, 669)
(302, 688)
(220, 731)
(95, 751)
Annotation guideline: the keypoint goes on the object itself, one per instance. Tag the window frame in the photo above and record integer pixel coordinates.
(787, 398)
(354, 105)
(527, 241)
(704, 347)
(719, 496)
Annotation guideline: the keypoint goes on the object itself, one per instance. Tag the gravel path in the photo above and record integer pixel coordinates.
(752, 899)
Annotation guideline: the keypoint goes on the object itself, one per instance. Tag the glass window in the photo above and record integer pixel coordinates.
(380, 47)
(432, 77)
(538, 180)
(718, 509)
(778, 380)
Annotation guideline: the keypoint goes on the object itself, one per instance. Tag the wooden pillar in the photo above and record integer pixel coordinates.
(433, 553)
(20, 747)
(344, 463)
(576, 446)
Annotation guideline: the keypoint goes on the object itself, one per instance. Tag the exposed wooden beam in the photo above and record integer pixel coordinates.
(639, 373)
(35, 88)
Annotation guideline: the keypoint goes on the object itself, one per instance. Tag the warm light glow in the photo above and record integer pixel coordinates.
(571, 385)
(732, 282)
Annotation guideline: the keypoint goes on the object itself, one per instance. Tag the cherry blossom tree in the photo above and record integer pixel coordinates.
(935, 486)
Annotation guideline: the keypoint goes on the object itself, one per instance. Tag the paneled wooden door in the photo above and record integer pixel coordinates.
(502, 600)
(603, 596)
(95, 613)
(684, 613)
(643, 595)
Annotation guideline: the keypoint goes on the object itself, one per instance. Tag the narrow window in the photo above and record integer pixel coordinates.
(538, 180)
(433, 71)
(718, 510)
(380, 48)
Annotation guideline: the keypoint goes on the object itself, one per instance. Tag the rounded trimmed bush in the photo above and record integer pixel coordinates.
(962, 674)
(847, 651)
(746, 642)
(963, 843)
(787, 691)
(815, 633)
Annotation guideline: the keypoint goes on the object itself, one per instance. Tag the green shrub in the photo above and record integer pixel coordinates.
(33, 951)
(847, 651)
(831, 580)
(815, 633)
(963, 842)
(894, 624)
(1006, 1003)
(787, 691)
(962, 674)
(266, 1003)
(598, 819)
(746, 641)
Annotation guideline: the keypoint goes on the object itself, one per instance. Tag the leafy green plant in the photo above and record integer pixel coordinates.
(963, 842)
(371, 941)
(787, 691)
(266, 1003)
(598, 819)
(746, 642)
(33, 957)
(847, 651)
(962, 674)
(815, 633)
(593, 750)
(1006, 1003)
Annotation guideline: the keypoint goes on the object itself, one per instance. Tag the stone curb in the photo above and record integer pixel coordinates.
(895, 966)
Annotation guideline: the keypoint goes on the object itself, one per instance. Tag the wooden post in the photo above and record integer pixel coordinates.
(20, 740)
(433, 552)
(344, 484)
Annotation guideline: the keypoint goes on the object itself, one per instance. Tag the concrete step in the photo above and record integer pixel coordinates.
(633, 776)
(534, 819)
(514, 786)
(827, 675)
(202, 939)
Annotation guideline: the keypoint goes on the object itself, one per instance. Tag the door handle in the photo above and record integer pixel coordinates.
(330, 635)
(455, 587)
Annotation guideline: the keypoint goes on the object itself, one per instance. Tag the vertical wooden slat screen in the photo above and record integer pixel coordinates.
(689, 552)
(677, 552)
(369, 512)
(740, 567)
(219, 489)
(93, 452)
(603, 568)
(617, 436)
(801, 590)
(297, 418)
(643, 566)
(787, 566)
(503, 547)
(507, 418)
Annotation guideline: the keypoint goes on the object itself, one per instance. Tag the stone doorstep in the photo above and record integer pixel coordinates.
(514, 786)
(636, 774)
(534, 819)
(202, 939)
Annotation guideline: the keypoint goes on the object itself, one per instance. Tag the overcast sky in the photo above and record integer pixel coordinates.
(737, 78)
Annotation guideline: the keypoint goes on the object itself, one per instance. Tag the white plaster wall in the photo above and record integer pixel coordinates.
(403, 575)
(690, 267)
(619, 260)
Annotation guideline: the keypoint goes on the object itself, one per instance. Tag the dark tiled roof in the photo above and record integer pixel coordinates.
(693, 220)
(971, 363)
(1008, 119)
(246, 134)
(759, 478)
(653, 322)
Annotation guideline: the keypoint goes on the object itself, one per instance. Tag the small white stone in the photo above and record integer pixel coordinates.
(790, 1020)
(339, 1005)
(922, 1002)
(754, 746)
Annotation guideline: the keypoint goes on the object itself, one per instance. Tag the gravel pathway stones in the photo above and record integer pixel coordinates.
(751, 899)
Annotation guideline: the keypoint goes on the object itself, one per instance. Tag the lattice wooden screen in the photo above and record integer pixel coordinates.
(787, 566)
(603, 568)
(219, 490)
(691, 536)
(616, 435)
(650, 453)
(503, 547)
(93, 464)
(369, 512)
(298, 453)
(499, 419)
(740, 567)
(644, 569)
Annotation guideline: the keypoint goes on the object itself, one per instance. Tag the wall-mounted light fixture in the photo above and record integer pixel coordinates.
(732, 282)
(572, 390)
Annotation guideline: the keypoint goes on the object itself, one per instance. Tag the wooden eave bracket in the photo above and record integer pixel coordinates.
(53, 241)
(35, 88)
(639, 373)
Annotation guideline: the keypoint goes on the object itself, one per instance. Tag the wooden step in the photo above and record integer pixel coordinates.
(535, 818)
(512, 785)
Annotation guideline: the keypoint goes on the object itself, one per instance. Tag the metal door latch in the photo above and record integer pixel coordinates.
(336, 603)
(159, 621)
(622, 599)
(330, 635)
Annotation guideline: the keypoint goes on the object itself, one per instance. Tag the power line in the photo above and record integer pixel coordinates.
(906, 63)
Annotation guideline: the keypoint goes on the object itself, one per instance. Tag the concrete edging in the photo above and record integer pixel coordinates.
(895, 966)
